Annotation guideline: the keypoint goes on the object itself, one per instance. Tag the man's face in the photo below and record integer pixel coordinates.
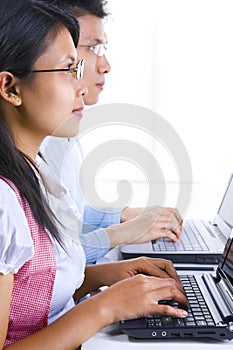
(92, 33)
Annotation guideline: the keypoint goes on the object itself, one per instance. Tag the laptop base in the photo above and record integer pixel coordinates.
(203, 258)
(131, 329)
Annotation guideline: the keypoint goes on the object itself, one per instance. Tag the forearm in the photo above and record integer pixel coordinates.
(91, 283)
(130, 213)
(101, 217)
(117, 235)
(129, 231)
(96, 244)
(69, 331)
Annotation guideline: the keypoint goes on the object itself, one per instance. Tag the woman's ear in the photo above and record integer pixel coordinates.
(8, 89)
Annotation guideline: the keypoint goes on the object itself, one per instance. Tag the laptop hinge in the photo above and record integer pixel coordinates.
(219, 295)
(225, 288)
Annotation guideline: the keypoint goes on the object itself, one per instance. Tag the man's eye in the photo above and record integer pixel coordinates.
(93, 48)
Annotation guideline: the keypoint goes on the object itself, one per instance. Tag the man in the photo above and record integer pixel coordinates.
(135, 225)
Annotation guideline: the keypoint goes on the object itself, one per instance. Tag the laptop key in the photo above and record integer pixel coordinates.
(201, 323)
(167, 321)
(178, 322)
(198, 312)
(190, 323)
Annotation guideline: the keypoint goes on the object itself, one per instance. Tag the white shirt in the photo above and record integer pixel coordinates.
(16, 248)
(65, 158)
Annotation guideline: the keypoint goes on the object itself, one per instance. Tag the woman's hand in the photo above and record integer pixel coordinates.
(111, 273)
(100, 275)
(147, 224)
(135, 288)
(138, 296)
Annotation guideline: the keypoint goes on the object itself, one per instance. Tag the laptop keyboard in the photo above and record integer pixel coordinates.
(191, 240)
(198, 311)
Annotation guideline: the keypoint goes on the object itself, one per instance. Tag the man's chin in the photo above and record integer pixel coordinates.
(89, 101)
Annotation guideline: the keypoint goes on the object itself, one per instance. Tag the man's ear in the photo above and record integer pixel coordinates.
(8, 89)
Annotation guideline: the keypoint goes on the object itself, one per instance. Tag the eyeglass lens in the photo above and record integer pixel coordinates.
(100, 49)
(79, 69)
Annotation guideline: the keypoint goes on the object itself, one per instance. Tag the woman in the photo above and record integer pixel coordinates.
(41, 261)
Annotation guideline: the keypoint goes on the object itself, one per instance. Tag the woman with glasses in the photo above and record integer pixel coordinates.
(42, 263)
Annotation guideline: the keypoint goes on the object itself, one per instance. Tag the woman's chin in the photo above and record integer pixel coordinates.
(69, 128)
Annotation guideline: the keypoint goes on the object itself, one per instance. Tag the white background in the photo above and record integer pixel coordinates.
(176, 58)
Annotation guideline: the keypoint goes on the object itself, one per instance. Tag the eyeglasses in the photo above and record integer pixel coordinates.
(98, 49)
(76, 72)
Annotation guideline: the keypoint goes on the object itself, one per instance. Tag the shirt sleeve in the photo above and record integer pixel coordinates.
(95, 244)
(16, 245)
(95, 218)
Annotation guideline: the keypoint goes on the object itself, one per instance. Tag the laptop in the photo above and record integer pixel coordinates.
(202, 241)
(210, 312)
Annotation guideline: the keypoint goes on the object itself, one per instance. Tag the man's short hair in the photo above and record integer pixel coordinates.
(80, 8)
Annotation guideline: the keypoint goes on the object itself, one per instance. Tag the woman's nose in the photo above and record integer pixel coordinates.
(82, 90)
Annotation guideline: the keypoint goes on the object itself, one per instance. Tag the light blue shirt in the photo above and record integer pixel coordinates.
(65, 157)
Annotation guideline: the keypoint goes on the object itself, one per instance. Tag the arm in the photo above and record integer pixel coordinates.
(80, 323)
(147, 226)
(95, 244)
(150, 224)
(168, 221)
(6, 285)
(112, 305)
(101, 217)
(97, 276)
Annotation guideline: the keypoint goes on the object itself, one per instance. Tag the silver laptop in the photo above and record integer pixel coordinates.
(210, 312)
(202, 241)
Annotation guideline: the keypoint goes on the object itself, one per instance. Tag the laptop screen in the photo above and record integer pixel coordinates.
(225, 210)
(227, 259)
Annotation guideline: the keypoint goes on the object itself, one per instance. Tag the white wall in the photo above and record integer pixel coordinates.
(176, 58)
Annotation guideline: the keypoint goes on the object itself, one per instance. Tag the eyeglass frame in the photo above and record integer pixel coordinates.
(79, 69)
(103, 48)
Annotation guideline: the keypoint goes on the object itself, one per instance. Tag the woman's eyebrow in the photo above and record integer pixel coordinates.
(69, 57)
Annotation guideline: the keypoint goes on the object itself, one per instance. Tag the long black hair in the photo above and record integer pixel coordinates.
(27, 28)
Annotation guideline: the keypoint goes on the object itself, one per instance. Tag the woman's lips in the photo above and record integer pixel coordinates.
(78, 111)
(100, 85)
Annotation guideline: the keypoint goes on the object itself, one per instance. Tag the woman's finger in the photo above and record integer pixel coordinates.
(165, 265)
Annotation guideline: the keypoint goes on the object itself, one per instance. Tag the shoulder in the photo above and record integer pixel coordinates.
(9, 203)
(16, 245)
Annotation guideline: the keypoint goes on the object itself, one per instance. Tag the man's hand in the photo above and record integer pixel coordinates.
(166, 219)
(142, 225)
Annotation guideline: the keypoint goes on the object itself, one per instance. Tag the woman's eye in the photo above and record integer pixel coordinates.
(70, 66)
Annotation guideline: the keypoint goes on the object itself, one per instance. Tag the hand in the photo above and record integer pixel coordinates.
(110, 273)
(167, 220)
(148, 224)
(107, 274)
(138, 296)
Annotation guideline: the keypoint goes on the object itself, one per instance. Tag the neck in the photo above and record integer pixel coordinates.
(31, 163)
(26, 138)
(28, 147)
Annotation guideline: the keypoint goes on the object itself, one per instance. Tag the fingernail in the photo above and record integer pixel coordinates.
(183, 313)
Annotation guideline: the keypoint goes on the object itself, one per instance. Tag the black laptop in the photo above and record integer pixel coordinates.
(202, 241)
(210, 314)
